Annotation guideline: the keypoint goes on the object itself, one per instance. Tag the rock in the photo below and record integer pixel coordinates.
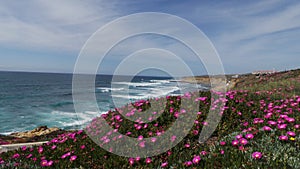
(42, 130)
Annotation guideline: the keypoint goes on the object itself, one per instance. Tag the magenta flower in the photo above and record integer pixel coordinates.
(16, 155)
(196, 159)
(24, 148)
(291, 133)
(187, 145)
(165, 164)
(222, 143)
(29, 155)
(153, 139)
(243, 141)
(267, 128)
(235, 142)
(82, 147)
(203, 153)
(50, 163)
(239, 136)
(65, 155)
(53, 147)
(40, 150)
(222, 151)
(44, 163)
(72, 158)
(148, 160)
(256, 155)
(188, 163)
(283, 137)
(281, 126)
(249, 136)
(131, 161)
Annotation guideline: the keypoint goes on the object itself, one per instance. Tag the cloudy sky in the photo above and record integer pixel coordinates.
(47, 36)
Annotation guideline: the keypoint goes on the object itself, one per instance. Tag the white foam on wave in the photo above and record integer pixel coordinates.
(149, 93)
(69, 119)
(108, 89)
(137, 84)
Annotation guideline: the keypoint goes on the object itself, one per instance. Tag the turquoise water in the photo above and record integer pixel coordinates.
(29, 100)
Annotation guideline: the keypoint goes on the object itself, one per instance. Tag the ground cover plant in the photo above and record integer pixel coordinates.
(258, 129)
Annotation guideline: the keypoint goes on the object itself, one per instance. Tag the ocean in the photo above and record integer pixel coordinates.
(29, 100)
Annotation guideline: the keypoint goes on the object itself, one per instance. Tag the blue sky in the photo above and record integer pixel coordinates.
(47, 36)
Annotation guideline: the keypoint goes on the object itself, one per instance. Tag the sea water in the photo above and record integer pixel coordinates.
(29, 100)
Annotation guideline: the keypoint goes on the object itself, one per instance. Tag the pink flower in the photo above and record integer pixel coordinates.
(66, 155)
(53, 147)
(29, 155)
(249, 136)
(173, 138)
(291, 133)
(44, 163)
(50, 163)
(142, 144)
(16, 155)
(148, 160)
(187, 145)
(40, 150)
(82, 147)
(196, 159)
(282, 137)
(131, 161)
(188, 163)
(140, 138)
(273, 123)
(222, 151)
(165, 164)
(235, 142)
(256, 155)
(281, 126)
(222, 143)
(239, 136)
(290, 120)
(72, 158)
(203, 153)
(243, 141)
(267, 128)
(24, 148)
(153, 139)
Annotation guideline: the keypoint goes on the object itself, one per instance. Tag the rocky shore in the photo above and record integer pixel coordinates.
(42, 133)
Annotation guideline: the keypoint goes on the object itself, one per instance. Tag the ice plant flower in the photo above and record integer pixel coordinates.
(291, 133)
(50, 163)
(283, 137)
(165, 164)
(222, 143)
(40, 150)
(196, 159)
(148, 160)
(16, 155)
(131, 161)
(243, 141)
(256, 155)
(44, 163)
(249, 136)
(267, 128)
(235, 142)
(188, 163)
(72, 158)
(239, 136)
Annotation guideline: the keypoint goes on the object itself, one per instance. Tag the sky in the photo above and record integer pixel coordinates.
(48, 36)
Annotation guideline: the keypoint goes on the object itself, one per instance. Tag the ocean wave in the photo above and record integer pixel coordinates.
(108, 89)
